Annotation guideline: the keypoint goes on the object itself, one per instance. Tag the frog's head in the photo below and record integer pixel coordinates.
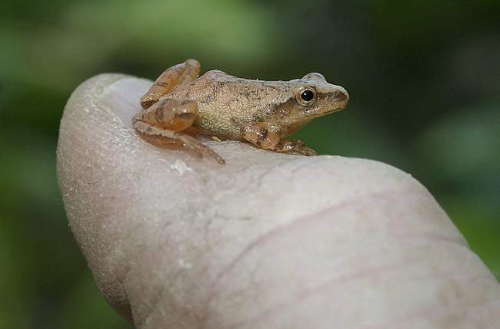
(316, 97)
(310, 97)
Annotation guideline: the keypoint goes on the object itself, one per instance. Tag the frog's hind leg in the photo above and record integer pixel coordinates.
(164, 122)
(169, 114)
(169, 80)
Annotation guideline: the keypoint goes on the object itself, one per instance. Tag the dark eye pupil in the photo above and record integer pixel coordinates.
(307, 95)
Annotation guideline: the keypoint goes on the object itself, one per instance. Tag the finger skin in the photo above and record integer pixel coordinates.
(266, 241)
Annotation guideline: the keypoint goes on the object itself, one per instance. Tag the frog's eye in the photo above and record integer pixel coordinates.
(306, 96)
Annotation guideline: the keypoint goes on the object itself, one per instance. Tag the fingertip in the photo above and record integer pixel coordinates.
(121, 98)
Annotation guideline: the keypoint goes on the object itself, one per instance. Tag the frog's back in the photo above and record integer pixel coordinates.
(227, 103)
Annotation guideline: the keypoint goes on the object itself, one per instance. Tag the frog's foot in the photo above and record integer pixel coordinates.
(169, 80)
(163, 123)
(168, 137)
(295, 147)
(268, 137)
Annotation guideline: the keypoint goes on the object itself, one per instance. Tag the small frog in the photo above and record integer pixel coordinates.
(180, 104)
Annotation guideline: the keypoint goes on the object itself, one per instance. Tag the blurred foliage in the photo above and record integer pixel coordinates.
(424, 79)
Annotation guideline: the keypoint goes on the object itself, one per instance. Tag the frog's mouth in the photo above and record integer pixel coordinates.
(322, 111)
(330, 103)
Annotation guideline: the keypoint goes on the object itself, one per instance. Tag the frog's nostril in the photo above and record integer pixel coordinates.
(341, 95)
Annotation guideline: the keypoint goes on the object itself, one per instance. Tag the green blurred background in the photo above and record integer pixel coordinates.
(424, 79)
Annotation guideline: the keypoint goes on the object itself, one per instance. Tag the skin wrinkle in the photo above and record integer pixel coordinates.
(303, 296)
(266, 238)
(299, 221)
(323, 288)
(279, 166)
(293, 223)
(177, 274)
(287, 227)
(257, 180)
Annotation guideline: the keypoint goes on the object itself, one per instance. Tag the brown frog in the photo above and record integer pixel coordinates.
(180, 104)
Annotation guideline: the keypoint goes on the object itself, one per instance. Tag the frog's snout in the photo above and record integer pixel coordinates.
(341, 95)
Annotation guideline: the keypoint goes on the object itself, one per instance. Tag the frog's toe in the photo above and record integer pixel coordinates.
(309, 152)
(304, 150)
(297, 147)
(200, 149)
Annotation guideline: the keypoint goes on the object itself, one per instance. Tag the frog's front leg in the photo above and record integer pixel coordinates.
(269, 137)
(164, 123)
